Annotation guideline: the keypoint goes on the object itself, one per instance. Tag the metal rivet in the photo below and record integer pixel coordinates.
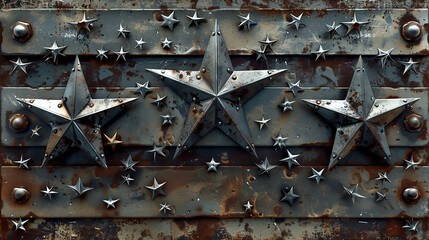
(316, 107)
(91, 105)
(19, 122)
(20, 195)
(219, 123)
(198, 77)
(269, 72)
(412, 31)
(411, 194)
(203, 70)
(234, 77)
(162, 71)
(60, 105)
(194, 99)
(413, 122)
(22, 31)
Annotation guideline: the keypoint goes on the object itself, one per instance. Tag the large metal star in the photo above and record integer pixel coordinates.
(354, 24)
(76, 118)
(216, 94)
(360, 118)
(84, 23)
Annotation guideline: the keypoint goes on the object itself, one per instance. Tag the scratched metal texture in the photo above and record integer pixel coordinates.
(209, 206)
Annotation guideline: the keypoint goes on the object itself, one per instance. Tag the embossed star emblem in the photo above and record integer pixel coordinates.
(76, 118)
(360, 118)
(20, 64)
(216, 94)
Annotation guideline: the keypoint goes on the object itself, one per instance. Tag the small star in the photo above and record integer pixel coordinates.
(383, 55)
(411, 163)
(48, 192)
(157, 150)
(381, 196)
(291, 159)
(159, 100)
(79, 188)
(20, 224)
(102, 53)
(169, 21)
(332, 29)
(296, 21)
(212, 165)
(35, 131)
(127, 179)
(383, 177)
(122, 31)
(166, 43)
(289, 196)
(260, 54)
(245, 21)
(111, 202)
(53, 52)
(411, 225)
(267, 43)
(84, 23)
(286, 105)
(265, 166)
(143, 89)
(22, 163)
(354, 24)
(129, 164)
(120, 54)
(156, 188)
(320, 53)
(263, 122)
(294, 87)
(140, 43)
(112, 140)
(20, 64)
(409, 65)
(352, 192)
(167, 119)
(317, 175)
(280, 141)
(165, 207)
(247, 206)
(195, 19)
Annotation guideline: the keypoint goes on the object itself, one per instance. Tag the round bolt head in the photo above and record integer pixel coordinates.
(413, 122)
(19, 122)
(412, 31)
(22, 31)
(20, 195)
(411, 194)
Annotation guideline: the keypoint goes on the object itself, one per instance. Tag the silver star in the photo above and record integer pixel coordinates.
(76, 118)
(195, 19)
(159, 100)
(169, 21)
(263, 122)
(111, 202)
(102, 53)
(156, 188)
(166, 43)
(79, 188)
(317, 175)
(411, 163)
(20, 224)
(48, 192)
(267, 43)
(247, 206)
(354, 24)
(360, 118)
(140, 43)
(409, 65)
(157, 150)
(122, 31)
(291, 159)
(212, 165)
(20, 64)
(129, 164)
(112, 141)
(120, 54)
(260, 54)
(296, 21)
(167, 119)
(383, 55)
(411, 225)
(289, 196)
(381, 196)
(332, 29)
(352, 192)
(165, 207)
(320, 53)
(35, 131)
(53, 52)
(246, 21)
(84, 23)
(216, 93)
(280, 141)
(127, 179)
(22, 163)
(286, 105)
(143, 89)
(294, 87)
(265, 166)
(383, 177)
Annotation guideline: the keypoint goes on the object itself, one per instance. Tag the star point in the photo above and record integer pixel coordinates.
(79, 188)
